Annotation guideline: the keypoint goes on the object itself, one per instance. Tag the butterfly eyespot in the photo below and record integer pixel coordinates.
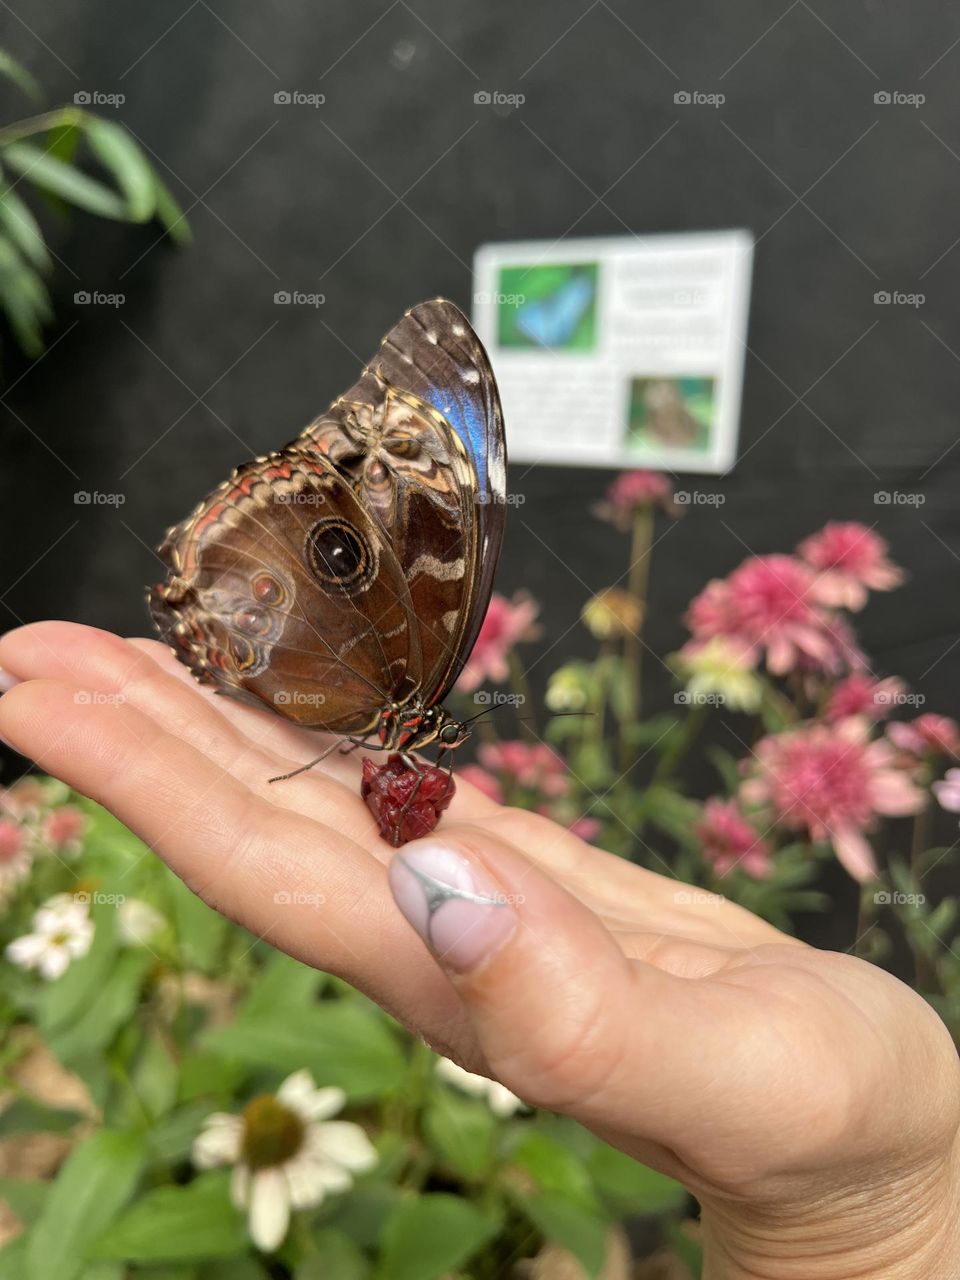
(254, 620)
(450, 735)
(339, 554)
(267, 589)
(243, 653)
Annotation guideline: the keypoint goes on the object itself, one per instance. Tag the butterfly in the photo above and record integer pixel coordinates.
(341, 581)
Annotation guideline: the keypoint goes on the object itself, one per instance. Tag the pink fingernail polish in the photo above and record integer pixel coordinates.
(453, 904)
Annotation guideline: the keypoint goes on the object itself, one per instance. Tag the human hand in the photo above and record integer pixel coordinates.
(810, 1101)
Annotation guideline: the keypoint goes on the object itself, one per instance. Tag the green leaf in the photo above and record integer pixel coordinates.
(171, 1138)
(21, 77)
(13, 1259)
(24, 299)
(554, 1168)
(339, 1041)
(25, 1197)
(156, 1076)
(107, 1011)
(283, 983)
(27, 1115)
(462, 1131)
(337, 1258)
(23, 229)
(96, 1181)
(64, 181)
(568, 1224)
(687, 1249)
(634, 1187)
(170, 215)
(173, 1224)
(362, 1212)
(119, 153)
(426, 1237)
(201, 931)
(206, 1075)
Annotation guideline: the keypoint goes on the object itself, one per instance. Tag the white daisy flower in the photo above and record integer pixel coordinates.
(498, 1097)
(138, 921)
(286, 1154)
(62, 931)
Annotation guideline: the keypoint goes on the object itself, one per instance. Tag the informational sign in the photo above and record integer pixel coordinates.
(622, 351)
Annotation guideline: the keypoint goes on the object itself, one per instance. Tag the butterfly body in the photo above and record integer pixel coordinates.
(341, 581)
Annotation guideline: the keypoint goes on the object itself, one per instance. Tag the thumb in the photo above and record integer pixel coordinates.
(561, 1015)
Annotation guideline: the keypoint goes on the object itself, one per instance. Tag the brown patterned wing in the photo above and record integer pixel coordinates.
(421, 436)
(283, 592)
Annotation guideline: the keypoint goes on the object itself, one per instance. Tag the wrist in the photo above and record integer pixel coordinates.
(903, 1229)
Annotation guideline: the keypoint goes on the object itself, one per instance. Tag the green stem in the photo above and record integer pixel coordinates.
(924, 972)
(521, 687)
(638, 580)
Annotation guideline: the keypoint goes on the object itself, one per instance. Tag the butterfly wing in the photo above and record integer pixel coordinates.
(421, 434)
(282, 592)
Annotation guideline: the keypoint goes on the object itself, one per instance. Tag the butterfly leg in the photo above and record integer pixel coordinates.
(342, 747)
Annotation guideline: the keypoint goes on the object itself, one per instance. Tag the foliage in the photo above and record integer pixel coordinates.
(45, 152)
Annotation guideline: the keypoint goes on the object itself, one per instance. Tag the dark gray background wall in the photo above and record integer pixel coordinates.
(378, 198)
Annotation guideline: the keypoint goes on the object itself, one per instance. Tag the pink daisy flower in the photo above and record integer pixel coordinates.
(769, 603)
(861, 695)
(633, 490)
(730, 841)
(63, 828)
(531, 765)
(507, 623)
(850, 560)
(928, 735)
(948, 791)
(830, 782)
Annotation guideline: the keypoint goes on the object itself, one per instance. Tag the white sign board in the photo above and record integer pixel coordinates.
(622, 351)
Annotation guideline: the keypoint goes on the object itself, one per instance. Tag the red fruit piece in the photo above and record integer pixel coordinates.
(407, 802)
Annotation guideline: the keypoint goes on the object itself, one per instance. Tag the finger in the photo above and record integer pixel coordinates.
(562, 1016)
(305, 887)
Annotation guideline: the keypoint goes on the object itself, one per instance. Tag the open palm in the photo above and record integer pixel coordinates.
(759, 1071)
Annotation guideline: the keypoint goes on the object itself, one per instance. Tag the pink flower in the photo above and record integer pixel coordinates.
(586, 828)
(929, 734)
(850, 559)
(64, 827)
(12, 841)
(633, 490)
(531, 765)
(830, 783)
(730, 841)
(769, 603)
(507, 623)
(948, 791)
(483, 781)
(861, 695)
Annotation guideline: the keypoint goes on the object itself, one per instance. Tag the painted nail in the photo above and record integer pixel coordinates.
(7, 681)
(458, 910)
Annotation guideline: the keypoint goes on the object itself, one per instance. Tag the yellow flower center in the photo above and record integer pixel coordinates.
(272, 1133)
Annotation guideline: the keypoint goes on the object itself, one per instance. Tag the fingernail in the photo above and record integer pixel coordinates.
(458, 910)
(7, 681)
